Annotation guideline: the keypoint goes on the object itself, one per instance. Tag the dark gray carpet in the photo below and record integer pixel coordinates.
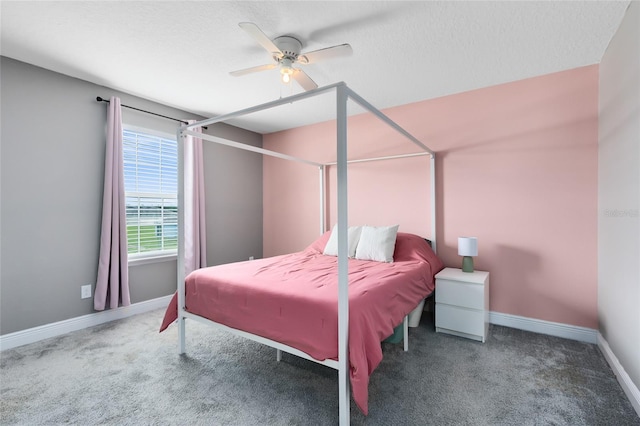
(125, 373)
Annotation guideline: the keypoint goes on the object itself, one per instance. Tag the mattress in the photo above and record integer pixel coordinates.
(293, 299)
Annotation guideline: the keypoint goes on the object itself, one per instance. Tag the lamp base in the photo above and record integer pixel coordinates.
(467, 264)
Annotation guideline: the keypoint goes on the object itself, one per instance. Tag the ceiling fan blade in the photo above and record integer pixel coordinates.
(246, 71)
(253, 69)
(304, 80)
(326, 53)
(256, 33)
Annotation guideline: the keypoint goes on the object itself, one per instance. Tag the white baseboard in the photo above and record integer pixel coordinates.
(573, 332)
(630, 389)
(31, 335)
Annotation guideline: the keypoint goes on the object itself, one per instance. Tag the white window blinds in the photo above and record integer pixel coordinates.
(151, 183)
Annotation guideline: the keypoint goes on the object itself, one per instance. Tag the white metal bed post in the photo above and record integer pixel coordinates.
(434, 238)
(181, 248)
(343, 278)
(323, 198)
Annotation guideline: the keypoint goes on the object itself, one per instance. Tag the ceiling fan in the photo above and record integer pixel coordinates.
(286, 51)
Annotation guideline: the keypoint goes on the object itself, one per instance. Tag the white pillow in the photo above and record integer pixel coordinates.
(377, 243)
(331, 249)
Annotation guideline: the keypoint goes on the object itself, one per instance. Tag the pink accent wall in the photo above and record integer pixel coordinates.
(516, 167)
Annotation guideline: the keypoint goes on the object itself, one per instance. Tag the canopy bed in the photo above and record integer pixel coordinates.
(266, 281)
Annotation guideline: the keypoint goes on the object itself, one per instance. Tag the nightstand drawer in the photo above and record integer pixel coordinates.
(460, 294)
(460, 319)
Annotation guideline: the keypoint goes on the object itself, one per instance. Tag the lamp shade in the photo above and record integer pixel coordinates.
(467, 246)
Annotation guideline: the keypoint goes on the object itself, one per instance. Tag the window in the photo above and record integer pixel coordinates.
(150, 185)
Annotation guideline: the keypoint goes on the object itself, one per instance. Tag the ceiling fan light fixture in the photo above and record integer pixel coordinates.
(286, 70)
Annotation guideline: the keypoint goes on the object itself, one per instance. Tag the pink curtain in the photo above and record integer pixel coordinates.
(195, 240)
(113, 270)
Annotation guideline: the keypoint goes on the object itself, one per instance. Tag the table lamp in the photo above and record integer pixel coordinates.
(467, 248)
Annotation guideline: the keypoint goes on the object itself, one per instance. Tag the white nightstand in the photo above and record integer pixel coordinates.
(462, 303)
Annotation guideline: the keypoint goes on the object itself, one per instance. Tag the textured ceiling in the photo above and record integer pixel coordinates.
(181, 53)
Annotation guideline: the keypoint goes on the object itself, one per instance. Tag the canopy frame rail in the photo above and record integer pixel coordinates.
(252, 148)
(386, 157)
(363, 103)
(262, 107)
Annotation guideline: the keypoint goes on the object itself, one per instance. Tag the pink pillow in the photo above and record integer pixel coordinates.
(319, 244)
(413, 247)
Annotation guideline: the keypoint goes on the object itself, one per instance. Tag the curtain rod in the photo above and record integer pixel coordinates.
(99, 99)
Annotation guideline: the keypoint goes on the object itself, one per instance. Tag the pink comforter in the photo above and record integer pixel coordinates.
(292, 299)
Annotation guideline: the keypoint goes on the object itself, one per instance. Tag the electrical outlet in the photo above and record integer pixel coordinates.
(250, 257)
(85, 291)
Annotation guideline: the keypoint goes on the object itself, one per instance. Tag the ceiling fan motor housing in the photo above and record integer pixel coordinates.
(289, 46)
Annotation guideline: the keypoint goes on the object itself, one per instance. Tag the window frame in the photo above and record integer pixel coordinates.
(156, 255)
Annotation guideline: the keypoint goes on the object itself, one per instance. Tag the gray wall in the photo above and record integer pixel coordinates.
(51, 172)
(619, 195)
(234, 217)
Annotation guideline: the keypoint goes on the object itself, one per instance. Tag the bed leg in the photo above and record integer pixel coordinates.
(405, 326)
(181, 333)
(278, 355)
